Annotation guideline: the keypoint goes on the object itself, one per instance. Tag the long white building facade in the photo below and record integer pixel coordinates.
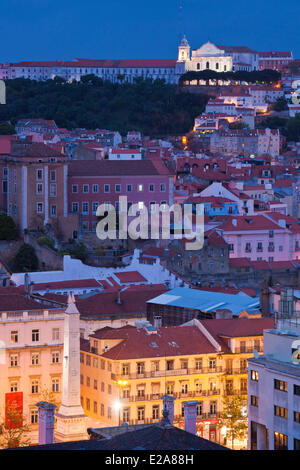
(208, 56)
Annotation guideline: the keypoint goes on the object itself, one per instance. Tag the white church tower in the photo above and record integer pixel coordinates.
(184, 50)
(71, 420)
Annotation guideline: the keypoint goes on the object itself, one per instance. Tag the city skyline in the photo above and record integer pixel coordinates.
(135, 30)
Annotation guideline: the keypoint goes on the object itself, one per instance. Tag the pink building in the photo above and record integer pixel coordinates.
(96, 182)
(274, 60)
(265, 237)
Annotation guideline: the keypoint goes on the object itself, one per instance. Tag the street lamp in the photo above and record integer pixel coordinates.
(118, 404)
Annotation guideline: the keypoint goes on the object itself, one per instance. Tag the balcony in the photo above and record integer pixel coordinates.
(202, 417)
(168, 373)
(141, 421)
(236, 392)
(30, 316)
(248, 350)
(182, 395)
(231, 371)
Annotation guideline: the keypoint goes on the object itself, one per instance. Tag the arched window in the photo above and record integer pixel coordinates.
(224, 68)
(217, 66)
(207, 65)
(198, 66)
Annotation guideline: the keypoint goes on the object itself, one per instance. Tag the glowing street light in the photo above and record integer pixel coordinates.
(117, 406)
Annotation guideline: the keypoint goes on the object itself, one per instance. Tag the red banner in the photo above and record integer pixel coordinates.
(13, 409)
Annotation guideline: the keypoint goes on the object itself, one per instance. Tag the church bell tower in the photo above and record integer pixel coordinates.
(184, 50)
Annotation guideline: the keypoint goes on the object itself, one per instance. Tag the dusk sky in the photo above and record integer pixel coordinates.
(119, 29)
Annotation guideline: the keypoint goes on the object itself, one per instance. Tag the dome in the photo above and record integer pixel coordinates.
(184, 41)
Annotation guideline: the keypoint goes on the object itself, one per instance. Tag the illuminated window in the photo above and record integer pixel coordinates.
(14, 336)
(140, 187)
(280, 441)
(254, 375)
(254, 400)
(280, 385)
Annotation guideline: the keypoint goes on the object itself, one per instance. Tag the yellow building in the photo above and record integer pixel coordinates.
(126, 371)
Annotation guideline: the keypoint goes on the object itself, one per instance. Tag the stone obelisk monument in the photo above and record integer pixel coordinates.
(71, 420)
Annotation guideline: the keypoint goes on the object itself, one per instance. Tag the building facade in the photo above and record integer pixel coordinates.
(274, 388)
(31, 338)
(125, 372)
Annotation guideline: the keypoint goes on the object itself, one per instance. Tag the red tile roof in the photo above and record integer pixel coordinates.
(265, 55)
(238, 327)
(104, 168)
(11, 303)
(260, 265)
(130, 276)
(236, 49)
(239, 262)
(168, 342)
(249, 223)
(133, 300)
(75, 284)
(128, 63)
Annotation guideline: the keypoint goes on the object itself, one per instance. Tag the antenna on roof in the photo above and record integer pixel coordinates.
(180, 20)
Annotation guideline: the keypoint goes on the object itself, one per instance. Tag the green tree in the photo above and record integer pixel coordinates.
(14, 430)
(292, 131)
(238, 125)
(26, 259)
(79, 251)
(150, 106)
(47, 241)
(233, 418)
(7, 129)
(280, 104)
(8, 228)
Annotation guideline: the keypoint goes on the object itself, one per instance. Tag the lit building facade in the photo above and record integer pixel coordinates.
(126, 371)
(31, 350)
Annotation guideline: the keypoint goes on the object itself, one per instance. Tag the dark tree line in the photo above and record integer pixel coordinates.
(255, 76)
(151, 106)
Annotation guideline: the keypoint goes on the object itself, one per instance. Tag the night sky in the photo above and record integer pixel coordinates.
(119, 29)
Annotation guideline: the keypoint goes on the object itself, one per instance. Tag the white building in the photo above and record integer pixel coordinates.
(124, 154)
(217, 58)
(274, 385)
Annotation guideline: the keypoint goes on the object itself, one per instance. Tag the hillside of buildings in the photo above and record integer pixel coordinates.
(151, 106)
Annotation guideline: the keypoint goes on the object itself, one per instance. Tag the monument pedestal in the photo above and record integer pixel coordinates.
(70, 427)
(71, 420)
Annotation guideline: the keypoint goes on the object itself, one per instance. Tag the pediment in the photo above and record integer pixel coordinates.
(208, 49)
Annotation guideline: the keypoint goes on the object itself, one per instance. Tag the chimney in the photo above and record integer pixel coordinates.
(190, 416)
(119, 301)
(223, 313)
(168, 404)
(46, 422)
